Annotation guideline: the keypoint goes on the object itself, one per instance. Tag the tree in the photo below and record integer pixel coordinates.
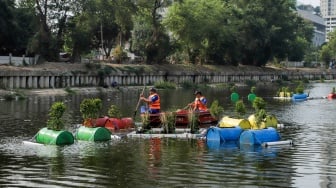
(203, 29)
(156, 45)
(267, 29)
(328, 50)
(7, 26)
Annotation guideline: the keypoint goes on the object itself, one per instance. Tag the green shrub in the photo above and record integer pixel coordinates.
(114, 111)
(56, 112)
(90, 108)
(165, 85)
(215, 109)
(240, 108)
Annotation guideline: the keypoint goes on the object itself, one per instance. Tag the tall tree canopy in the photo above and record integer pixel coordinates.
(250, 32)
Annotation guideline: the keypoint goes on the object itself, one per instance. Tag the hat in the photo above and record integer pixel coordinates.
(197, 92)
(152, 90)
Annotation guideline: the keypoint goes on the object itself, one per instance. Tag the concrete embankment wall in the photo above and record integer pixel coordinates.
(45, 79)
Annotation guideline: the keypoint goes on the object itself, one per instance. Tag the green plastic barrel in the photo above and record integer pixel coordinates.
(93, 134)
(251, 97)
(234, 97)
(52, 137)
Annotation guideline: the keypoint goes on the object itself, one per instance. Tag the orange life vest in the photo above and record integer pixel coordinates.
(155, 104)
(200, 105)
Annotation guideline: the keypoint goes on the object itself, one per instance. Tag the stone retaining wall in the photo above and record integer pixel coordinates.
(45, 79)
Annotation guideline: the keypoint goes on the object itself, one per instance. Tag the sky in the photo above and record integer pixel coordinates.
(315, 3)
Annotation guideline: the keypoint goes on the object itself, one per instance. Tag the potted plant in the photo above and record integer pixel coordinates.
(56, 112)
(90, 109)
(54, 134)
(216, 110)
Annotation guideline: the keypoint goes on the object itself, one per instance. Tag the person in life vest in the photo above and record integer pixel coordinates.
(200, 103)
(153, 101)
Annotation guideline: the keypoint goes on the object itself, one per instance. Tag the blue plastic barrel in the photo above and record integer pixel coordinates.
(220, 135)
(231, 145)
(299, 97)
(257, 137)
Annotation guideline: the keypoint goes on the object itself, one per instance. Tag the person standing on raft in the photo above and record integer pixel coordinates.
(153, 101)
(200, 103)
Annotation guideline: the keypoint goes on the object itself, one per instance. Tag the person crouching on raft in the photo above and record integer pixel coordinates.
(153, 101)
(200, 103)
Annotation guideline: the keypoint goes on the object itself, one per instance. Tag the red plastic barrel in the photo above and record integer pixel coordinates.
(116, 124)
(100, 122)
(128, 122)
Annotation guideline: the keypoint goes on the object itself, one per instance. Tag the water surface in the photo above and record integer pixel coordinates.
(127, 162)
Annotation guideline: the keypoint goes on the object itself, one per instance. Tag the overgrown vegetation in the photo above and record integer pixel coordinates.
(165, 85)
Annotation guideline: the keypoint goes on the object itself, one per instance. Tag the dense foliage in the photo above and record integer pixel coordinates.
(196, 31)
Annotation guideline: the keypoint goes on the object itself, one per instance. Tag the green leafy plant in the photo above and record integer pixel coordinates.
(233, 89)
(333, 90)
(259, 103)
(260, 113)
(114, 111)
(56, 112)
(253, 89)
(90, 109)
(300, 88)
(193, 122)
(260, 116)
(240, 108)
(215, 109)
(168, 121)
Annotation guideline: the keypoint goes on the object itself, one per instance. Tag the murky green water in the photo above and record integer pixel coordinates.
(127, 162)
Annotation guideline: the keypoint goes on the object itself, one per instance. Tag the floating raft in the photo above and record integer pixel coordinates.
(179, 134)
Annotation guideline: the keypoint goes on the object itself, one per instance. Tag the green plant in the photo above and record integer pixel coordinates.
(215, 109)
(253, 89)
(70, 91)
(333, 90)
(114, 111)
(90, 108)
(259, 103)
(300, 88)
(240, 108)
(119, 54)
(233, 89)
(145, 121)
(193, 121)
(165, 85)
(260, 116)
(260, 113)
(56, 112)
(168, 121)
